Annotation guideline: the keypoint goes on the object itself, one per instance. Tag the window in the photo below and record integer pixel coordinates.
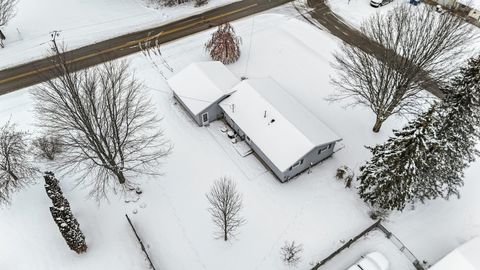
(322, 149)
(296, 164)
(330, 145)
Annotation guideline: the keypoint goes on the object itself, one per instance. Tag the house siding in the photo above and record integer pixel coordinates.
(310, 159)
(196, 118)
(214, 110)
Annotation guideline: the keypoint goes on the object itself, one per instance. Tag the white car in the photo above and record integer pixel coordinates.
(371, 261)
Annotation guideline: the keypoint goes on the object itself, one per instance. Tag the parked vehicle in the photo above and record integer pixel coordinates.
(378, 3)
(371, 261)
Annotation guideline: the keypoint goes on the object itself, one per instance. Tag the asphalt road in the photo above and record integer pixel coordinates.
(321, 13)
(28, 74)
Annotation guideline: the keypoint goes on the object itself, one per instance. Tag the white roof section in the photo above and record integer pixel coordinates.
(465, 257)
(294, 132)
(470, 3)
(201, 84)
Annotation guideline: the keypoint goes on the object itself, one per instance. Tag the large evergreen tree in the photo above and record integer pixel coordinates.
(427, 158)
(391, 179)
(460, 116)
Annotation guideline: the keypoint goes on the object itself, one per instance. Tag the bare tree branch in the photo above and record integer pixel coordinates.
(16, 172)
(7, 11)
(417, 46)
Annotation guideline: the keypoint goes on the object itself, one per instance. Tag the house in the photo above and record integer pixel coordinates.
(200, 87)
(282, 132)
(464, 257)
(447, 3)
(474, 14)
(471, 8)
(287, 137)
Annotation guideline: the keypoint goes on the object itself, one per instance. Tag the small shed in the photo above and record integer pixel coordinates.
(282, 132)
(465, 257)
(200, 87)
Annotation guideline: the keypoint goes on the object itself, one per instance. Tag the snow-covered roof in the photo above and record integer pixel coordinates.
(464, 257)
(279, 125)
(201, 84)
(470, 3)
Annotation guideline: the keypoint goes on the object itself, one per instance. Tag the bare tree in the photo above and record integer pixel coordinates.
(15, 169)
(291, 253)
(225, 206)
(224, 46)
(47, 147)
(413, 48)
(7, 11)
(108, 126)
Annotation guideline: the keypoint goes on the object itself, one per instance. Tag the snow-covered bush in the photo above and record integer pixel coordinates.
(47, 147)
(291, 253)
(63, 216)
(168, 3)
(346, 174)
(378, 213)
(224, 46)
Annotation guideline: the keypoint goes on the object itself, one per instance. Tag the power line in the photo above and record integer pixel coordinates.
(249, 47)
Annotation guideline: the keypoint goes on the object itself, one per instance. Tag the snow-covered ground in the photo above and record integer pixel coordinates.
(314, 209)
(82, 23)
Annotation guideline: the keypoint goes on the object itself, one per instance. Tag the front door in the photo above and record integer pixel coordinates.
(205, 120)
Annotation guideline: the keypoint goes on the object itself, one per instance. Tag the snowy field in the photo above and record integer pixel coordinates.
(355, 11)
(314, 209)
(82, 22)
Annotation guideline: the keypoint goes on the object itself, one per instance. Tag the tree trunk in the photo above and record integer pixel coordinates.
(378, 125)
(225, 231)
(121, 177)
(13, 176)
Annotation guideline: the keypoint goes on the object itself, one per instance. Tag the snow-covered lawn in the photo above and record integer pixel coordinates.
(314, 209)
(82, 23)
(355, 12)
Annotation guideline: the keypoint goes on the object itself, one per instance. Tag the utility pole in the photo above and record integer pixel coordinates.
(59, 60)
(54, 34)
